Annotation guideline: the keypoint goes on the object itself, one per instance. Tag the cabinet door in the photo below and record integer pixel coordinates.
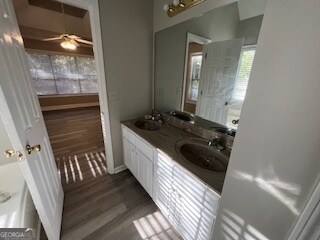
(145, 171)
(208, 214)
(163, 172)
(175, 206)
(192, 193)
(129, 155)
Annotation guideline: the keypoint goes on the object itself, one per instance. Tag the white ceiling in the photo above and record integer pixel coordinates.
(251, 8)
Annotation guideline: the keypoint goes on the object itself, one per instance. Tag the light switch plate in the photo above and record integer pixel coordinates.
(114, 95)
(142, 93)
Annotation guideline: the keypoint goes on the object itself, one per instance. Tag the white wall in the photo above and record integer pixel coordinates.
(275, 160)
(162, 21)
(127, 42)
(247, 9)
(4, 145)
(251, 8)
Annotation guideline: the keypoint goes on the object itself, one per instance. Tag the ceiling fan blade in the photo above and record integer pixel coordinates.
(73, 37)
(74, 42)
(51, 39)
(83, 41)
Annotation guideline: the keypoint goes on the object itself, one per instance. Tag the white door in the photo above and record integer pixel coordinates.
(218, 76)
(21, 114)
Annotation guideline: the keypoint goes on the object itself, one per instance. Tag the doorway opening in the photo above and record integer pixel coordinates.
(195, 52)
(62, 65)
(192, 71)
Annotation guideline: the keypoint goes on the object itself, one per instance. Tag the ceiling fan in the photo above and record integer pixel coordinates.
(69, 41)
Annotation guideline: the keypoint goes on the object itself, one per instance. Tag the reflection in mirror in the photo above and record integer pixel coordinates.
(202, 65)
(192, 72)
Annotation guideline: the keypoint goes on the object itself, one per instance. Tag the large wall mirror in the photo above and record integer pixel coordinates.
(202, 65)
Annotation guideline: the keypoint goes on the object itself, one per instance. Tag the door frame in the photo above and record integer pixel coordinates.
(308, 217)
(190, 38)
(92, 6)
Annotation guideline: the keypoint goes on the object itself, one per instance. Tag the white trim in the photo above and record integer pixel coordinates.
(93, 7)
(308, 217)
(251, 46)
(190, 38)
(38, 228)
(120, 168)
(153, 92)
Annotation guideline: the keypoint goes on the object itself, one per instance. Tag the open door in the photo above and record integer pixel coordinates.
(219, 72)
(21, 114)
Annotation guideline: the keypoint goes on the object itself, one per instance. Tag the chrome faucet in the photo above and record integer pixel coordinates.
(156, 116)
(215, 143)
(235, 121)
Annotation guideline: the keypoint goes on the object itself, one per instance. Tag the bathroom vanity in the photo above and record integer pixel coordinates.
(187, 194)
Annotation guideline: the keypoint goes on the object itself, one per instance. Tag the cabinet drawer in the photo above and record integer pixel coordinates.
(128, 134)
(144, 147)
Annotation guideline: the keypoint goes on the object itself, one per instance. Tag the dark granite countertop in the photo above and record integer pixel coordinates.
(165, 139)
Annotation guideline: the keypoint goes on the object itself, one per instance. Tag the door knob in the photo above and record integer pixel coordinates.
(11, 153)
(35, 148)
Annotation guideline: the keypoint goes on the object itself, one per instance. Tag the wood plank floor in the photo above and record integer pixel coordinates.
(75, 131)
(98, 205)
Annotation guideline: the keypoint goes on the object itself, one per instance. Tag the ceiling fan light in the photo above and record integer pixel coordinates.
(66, 44)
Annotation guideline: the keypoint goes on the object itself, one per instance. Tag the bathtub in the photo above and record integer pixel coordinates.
(19, 211)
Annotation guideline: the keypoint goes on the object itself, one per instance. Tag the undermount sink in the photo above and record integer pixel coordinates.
(182, 116)
(197, 152)
(147, 125)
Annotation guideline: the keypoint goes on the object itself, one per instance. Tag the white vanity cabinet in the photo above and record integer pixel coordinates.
(188, 204)
(138, 157)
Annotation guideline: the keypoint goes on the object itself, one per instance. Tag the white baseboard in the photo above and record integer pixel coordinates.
(120, 168)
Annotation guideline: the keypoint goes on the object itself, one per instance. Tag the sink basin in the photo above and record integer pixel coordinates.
(147, 125)
(200, 154)
(182, 116)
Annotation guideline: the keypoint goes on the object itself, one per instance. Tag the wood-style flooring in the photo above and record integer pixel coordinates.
(98, 205)
(74, 131)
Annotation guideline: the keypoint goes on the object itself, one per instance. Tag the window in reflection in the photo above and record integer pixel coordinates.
(193, 72)
(196, 60)
(241, 84)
